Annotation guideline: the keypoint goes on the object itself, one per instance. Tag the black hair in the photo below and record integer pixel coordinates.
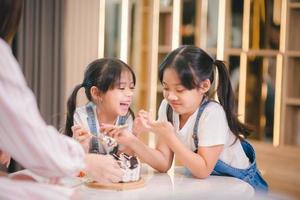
(10, 14)
(193, 65)
(103, 73)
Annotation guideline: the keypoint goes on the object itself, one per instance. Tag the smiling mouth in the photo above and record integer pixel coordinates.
(125, 104)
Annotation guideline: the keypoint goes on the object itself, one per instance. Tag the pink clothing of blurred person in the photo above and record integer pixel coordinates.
(28, 139)
(46, 152)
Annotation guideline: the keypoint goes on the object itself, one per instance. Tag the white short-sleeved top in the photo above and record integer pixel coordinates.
(81, 116)
(213, 130)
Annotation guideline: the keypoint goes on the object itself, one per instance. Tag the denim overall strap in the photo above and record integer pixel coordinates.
(122, 120)
(95, 147)
(195, 129)
(250, 175)
(91, 119)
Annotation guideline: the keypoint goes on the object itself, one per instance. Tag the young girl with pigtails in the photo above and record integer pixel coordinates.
(205, 135)
(109, 85)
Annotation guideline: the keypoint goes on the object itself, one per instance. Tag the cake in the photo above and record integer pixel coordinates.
(129, 164)
(131, 167)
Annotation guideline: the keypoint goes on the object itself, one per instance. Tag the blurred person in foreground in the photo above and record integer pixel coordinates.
(26, 137)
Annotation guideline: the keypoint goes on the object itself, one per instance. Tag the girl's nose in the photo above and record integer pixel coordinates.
(171, 96)
(129, 92)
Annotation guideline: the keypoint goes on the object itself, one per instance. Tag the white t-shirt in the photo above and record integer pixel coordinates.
(213, 130)
(81, 116)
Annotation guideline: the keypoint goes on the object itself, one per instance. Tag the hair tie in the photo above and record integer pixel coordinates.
(87, 84)
(215, 62)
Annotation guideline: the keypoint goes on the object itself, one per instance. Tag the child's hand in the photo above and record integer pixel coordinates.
(141, 122)
(119, 133)
(4, 158)
(163, 129)
(82, 136)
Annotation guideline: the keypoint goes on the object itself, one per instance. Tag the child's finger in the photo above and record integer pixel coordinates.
(144, 122)
(80, 139)
(143, 114)
(114, 133)
(142, 111)
(83, 137)
(76, 127)
(106, 127)
(80, 133)
(103, 125)
(121, 127)
(154, 124)
(106, 130)
(78, 130)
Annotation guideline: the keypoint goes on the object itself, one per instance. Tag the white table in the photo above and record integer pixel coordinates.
(177, 185)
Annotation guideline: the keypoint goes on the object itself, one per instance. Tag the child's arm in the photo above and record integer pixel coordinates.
(159, 158)
(201, 163)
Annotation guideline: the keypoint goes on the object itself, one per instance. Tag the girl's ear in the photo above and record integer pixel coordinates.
(96, 94)
(205, 86)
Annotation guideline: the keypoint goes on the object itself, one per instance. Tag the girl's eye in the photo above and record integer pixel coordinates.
(132, 88)
(166, 89)
(180, 90)
(121, 88)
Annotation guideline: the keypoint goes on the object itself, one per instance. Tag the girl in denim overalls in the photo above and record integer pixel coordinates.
(205, 135)
(108, 85)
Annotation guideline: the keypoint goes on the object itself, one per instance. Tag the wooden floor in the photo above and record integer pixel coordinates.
(280, 167)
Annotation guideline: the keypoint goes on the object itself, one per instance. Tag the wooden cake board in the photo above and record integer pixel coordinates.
(117, 186)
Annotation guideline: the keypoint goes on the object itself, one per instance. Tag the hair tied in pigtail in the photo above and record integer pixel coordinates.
(87, 84)
(215, 62)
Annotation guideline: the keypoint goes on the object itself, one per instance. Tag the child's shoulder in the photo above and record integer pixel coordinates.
(82, 110)
(164, 102)
(214, 108)
(214, 105)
